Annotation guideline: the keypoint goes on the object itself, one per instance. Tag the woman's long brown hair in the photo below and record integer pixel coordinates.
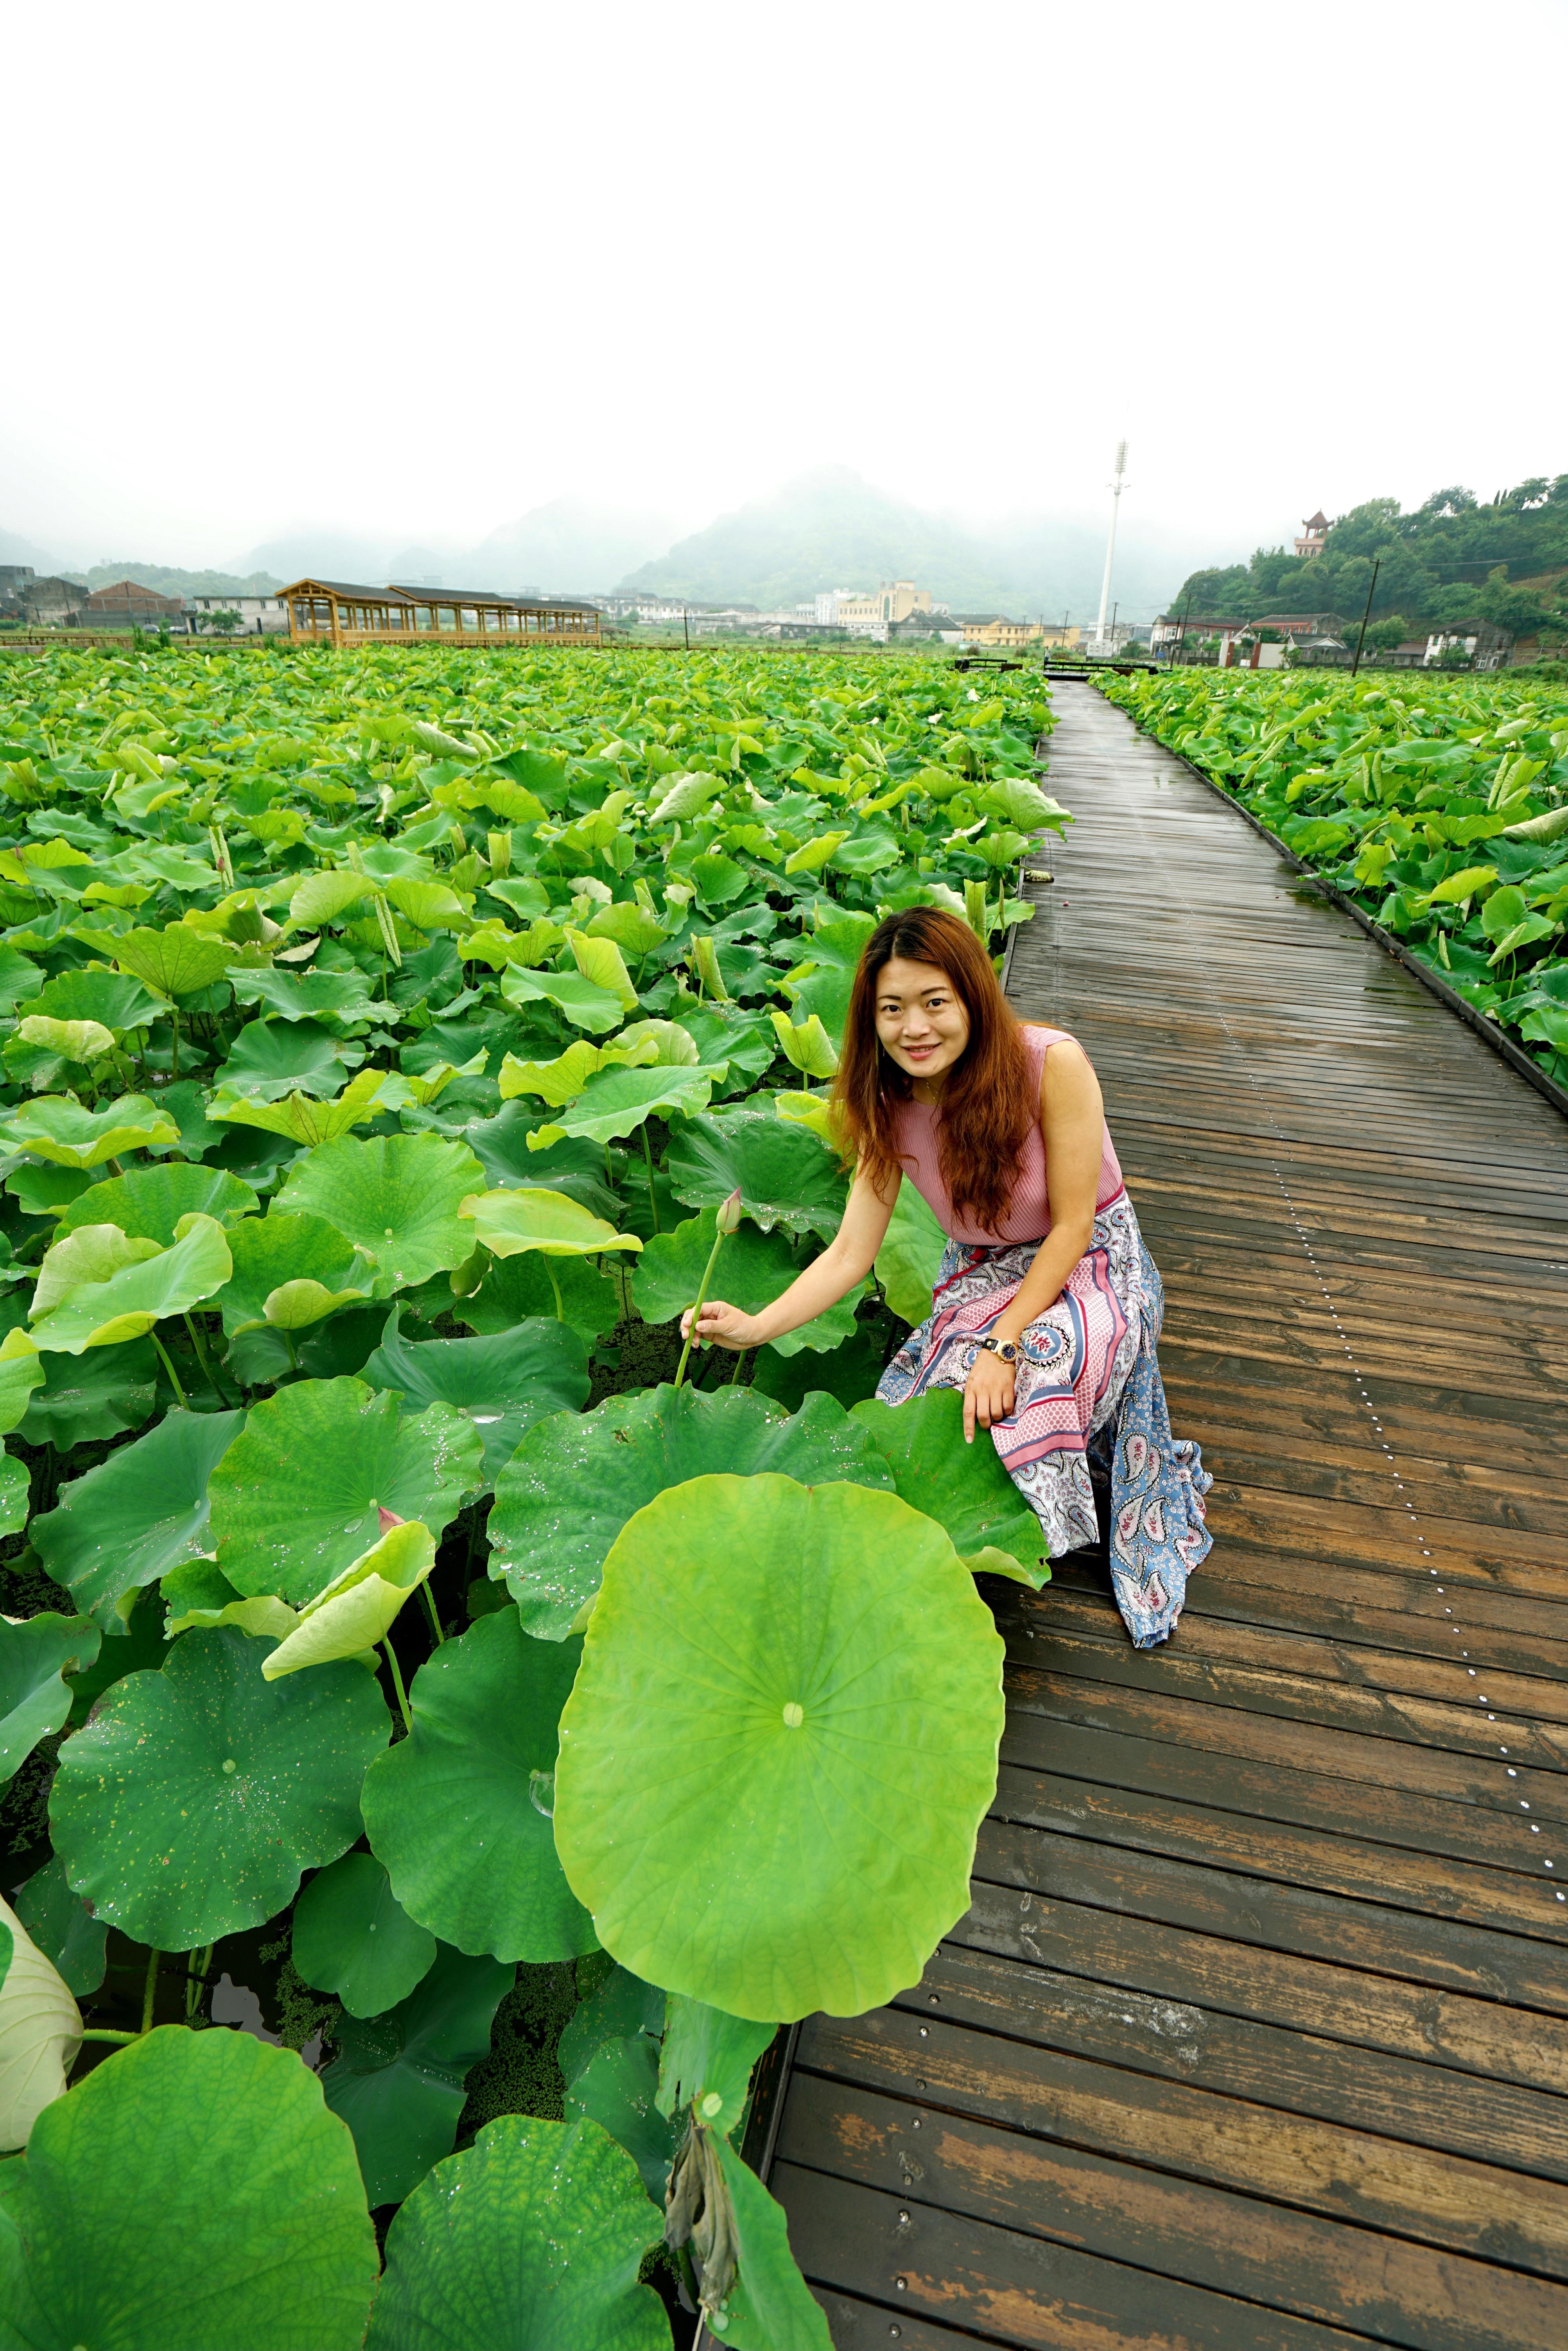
(987, 1103)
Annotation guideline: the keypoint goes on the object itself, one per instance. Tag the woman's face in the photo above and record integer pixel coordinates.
(920, 1019)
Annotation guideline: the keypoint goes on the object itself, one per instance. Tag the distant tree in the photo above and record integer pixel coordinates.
(1384, 635)
(1447, 503)
(225, 623)
(1520, 611)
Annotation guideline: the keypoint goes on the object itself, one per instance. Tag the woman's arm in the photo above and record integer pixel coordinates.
(846, 1260)
(1071, 1119)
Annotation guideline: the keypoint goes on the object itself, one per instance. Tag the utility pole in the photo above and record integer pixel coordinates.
(1366, 616)
(1115, 489)
(686, 628)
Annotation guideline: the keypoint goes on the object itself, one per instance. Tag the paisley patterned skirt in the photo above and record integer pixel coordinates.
(1088, 1394)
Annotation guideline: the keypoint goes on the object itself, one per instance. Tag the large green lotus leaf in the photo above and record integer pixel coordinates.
(271, 1252)
(577, 1478)
(191, 1805)
(87, 1398)
(963, 1487)
(35, 1654)
(20, 979)
(57, 1128)
(617, 1102)
(532, 2236)
(396, 1198)
(358, 1607)
(599, 959)
(41, 1190)
(517, 1287)
(298, 1118)
(297, 1497)
(354, 1938)
(584, 1005)
(327, 897)
(707, 2062)
(148, 1203)
(128, 1305)
(41, 2033)
(176, 960)
(910, 1256)
(782, 1173)
(63, 1041)
(15, 1494)
(822, 993)
(109, 998)
(509, 1222)
(270, 1059)
(575, 1168)
(562, 1080)
(460, 1811)
(92, 1253)
(742, 1040)
(770, 2307)
(343, 996)
(136, 1516)
(503, 1385)
(618, 2089)
(21, 1370)
(64, 1929)
(262, 2240)
(781, 1741)
(753, 1269)
(397, 2080)
(622, 2005)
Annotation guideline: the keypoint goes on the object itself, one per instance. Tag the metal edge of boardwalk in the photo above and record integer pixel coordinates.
(1495, 1036)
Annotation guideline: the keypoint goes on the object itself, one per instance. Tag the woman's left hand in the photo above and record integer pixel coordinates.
(988, 1392)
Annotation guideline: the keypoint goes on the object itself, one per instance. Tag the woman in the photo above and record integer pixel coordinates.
(1046, 1305)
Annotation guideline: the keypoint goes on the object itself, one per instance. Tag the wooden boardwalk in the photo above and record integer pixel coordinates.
(1256, 2037)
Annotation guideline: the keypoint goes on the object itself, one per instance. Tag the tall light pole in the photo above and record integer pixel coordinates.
(1116, 488)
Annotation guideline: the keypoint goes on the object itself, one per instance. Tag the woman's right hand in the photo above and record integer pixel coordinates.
(722, 1326)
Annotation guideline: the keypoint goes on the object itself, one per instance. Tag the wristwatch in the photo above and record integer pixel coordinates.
(1003, 1349)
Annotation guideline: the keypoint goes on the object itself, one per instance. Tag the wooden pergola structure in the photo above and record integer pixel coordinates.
(338, 613)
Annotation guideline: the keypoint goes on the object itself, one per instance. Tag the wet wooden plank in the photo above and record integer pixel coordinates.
(1237, 2245)
(1004, 2286)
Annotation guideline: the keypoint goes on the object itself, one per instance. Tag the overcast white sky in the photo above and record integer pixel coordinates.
(415, 270)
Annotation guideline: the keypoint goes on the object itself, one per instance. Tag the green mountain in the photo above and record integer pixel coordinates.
(1447, 560)
(832, 529)
(168, 579)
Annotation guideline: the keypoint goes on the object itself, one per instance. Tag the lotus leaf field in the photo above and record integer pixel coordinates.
(395, 1618)
(1439, 805)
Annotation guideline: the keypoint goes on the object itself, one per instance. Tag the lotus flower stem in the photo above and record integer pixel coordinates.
(739, 1367)
(101, 2033)
(435, 1614)
(150, 1991)
(727, 1219)
(210, 1376)
(648, 1155)
(397, 1681)
(560, 1308)
(168, 1366)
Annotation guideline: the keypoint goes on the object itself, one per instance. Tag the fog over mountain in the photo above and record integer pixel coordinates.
(830, 528)
(827, 528)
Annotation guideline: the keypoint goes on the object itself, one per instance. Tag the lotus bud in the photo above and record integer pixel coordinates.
(500, 846)
(729, 1213)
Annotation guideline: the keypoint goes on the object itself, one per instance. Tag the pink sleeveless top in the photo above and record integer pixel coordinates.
(1028, 1212)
